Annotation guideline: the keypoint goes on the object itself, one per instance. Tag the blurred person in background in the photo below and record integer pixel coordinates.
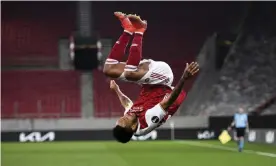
(241, 126)
(158, 100)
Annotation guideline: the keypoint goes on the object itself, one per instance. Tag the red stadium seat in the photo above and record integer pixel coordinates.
(40, 94)
(30, 35)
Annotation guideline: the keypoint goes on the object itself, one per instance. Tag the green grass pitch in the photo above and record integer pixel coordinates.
(150, 153)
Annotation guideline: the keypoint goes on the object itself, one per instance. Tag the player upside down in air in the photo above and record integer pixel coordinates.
(158, 100)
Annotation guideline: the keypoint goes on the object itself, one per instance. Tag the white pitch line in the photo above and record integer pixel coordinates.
(207, 145)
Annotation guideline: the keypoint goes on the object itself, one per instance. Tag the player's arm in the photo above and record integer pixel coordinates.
(232, 124)
(125, 101)
(247, 124)
(247, 127)
(190, 70)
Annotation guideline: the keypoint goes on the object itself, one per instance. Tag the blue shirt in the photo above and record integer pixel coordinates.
(240, 120)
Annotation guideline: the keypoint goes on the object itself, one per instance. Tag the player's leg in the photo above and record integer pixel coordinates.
(157, 72)
(238, 138)
(131, 71)
(241, 139)
(241, 144)
(113, 66)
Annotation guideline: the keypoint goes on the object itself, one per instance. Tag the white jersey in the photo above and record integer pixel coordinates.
(159, 73)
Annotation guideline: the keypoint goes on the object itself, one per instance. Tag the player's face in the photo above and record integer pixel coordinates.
(241, 110)
(128, 121)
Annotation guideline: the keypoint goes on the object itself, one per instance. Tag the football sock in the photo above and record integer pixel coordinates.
(135, 53)
(118, 51)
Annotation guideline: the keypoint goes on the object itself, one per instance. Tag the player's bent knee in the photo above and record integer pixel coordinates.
(111, 72)
(131, 75)
(106, 70)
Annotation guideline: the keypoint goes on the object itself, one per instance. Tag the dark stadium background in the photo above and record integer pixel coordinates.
(53, 88)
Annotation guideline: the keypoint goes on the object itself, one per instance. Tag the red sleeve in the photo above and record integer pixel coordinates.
(174, 107)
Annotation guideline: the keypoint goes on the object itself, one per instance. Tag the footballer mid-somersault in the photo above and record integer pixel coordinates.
(158, 100)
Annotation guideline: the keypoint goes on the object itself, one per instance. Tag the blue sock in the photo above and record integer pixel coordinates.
(241, 144)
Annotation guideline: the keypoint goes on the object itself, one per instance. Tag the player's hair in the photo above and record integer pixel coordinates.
(122, 134)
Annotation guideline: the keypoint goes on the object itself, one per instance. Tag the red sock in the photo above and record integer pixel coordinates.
(118, 50)
(135, 53)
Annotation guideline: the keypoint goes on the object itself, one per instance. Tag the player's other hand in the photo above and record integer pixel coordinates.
(113, 85)
(191, 69)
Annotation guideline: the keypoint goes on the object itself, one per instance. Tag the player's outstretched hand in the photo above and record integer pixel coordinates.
(113, 85)
(191, 69)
